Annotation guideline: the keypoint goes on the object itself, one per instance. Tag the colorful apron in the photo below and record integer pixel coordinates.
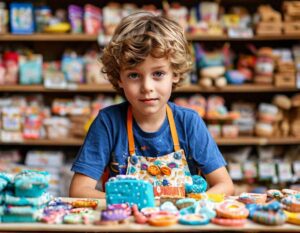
(168, 173)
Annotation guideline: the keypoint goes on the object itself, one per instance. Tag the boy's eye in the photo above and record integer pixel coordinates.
(158, 74)
(133, 75)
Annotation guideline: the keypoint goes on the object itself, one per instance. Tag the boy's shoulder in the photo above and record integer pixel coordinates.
(180, 111)
(114, 110)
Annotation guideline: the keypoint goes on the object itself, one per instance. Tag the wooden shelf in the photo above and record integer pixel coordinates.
(236, 88)
(220, 141)
(70, 88)
(257, 141)
(47, 142)
(246, 88)
(48, 37)
(85, 37)
(191, 37)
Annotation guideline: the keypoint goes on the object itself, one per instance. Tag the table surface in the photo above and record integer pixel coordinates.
(133, 227)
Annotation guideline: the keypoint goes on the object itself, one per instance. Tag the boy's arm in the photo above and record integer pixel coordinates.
(84, 187)
(219, 181)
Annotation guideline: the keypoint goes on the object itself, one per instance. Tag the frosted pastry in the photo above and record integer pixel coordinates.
(30, 183)
(128, 189)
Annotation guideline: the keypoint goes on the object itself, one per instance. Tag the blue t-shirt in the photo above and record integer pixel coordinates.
(107, 143)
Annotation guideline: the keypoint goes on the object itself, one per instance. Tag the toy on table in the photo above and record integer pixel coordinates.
(250, 198)
(292, 203)
(82, 203)
(80, 216)
(30, 183)
(293, 218)
(199, 185)
(274, 194)
(5, 179)
(231, 213)
(163, 219)
(269, 214)
(128, 189)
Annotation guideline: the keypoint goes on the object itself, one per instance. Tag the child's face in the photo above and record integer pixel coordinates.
(148, 86)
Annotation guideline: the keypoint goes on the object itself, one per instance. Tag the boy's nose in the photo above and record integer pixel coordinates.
(147, 84)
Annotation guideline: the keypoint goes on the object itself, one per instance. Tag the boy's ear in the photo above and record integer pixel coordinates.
(175, 78)
(120, 83)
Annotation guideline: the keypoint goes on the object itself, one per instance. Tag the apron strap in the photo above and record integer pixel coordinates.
(172, 129)
(129, 131)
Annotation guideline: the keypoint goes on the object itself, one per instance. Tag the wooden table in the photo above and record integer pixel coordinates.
(133, 227)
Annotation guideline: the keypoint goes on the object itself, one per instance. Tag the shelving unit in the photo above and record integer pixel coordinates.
(52, 46)
(93, 38)
(220, 141)
(244, 88)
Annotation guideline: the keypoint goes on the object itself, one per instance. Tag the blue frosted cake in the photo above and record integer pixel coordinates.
(31, 183)
(129, 189)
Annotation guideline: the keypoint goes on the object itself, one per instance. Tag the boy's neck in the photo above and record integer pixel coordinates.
(150, 123)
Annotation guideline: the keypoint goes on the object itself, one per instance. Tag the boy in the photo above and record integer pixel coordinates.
(145, 60)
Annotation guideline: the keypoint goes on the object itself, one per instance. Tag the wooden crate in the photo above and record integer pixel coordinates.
(285, 80)
(269, 28)
(291, 28)
(291, 8)
(263, 79)
(286, 67)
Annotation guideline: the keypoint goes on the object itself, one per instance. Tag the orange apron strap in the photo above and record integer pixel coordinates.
(130, 132)
(173, 129)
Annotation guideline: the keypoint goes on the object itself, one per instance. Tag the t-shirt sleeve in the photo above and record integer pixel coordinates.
(204, 149)
(93, 155)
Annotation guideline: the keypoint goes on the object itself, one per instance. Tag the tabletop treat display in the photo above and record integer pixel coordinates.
(129, 189)
(25, 196)
(270, 213)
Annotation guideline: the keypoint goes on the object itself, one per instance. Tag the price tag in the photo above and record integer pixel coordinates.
(235, 171)
(284, 172)
(266, 170)
(250, 170)
(296, 167)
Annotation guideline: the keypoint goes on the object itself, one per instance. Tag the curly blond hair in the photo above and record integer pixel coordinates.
(139, 35)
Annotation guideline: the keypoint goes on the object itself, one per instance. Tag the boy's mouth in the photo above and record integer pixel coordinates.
(148, 100)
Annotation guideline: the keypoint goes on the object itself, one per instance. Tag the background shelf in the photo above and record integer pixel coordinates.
(86, 37)
(220, 141)
(245, 88)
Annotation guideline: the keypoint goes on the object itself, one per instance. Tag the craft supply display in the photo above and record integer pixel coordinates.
(129, 200)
